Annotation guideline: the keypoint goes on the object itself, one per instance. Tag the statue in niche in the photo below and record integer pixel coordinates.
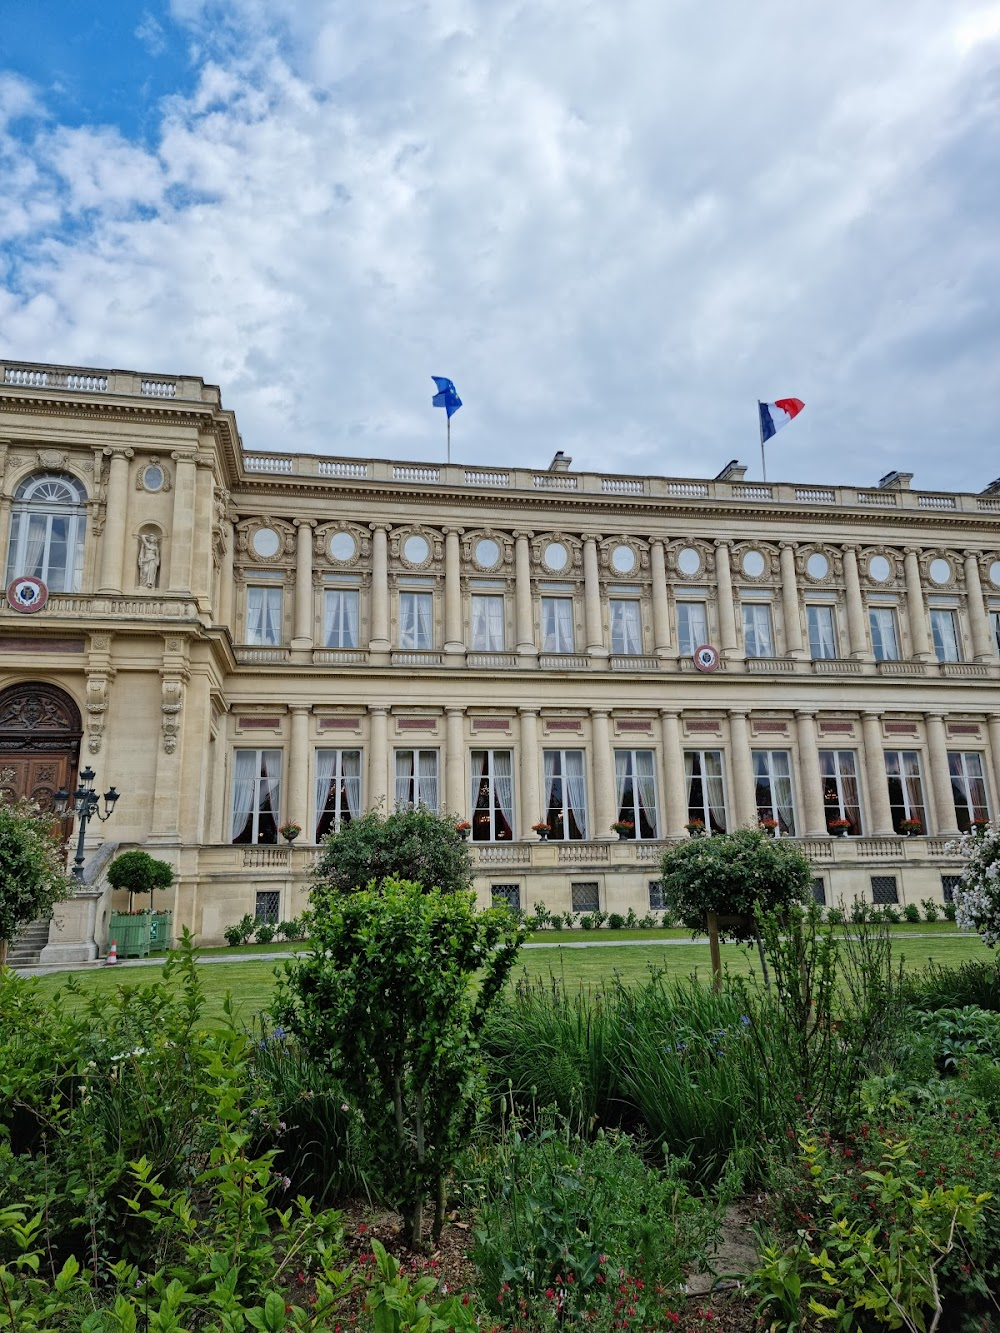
(149, 559)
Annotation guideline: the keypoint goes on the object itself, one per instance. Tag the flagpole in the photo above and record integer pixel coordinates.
(760, 423)
(449, 438)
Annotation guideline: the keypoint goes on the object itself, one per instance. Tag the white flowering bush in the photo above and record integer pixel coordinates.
(977, 897)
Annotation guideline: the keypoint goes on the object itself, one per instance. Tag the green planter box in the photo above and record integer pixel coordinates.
(140, 935)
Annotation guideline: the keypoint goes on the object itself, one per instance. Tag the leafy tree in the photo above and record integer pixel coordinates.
(744, 874)
(139, 873)
(415, 845)
(32, 878)
(977, 896)
(393, 998)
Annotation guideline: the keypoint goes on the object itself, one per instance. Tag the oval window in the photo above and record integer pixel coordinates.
(995, 573)
(753, 564)
(817, 566)
(879, 569)
(623, 560)
(152, 478)
(688, 560)
(416, 549)
(940, 571)
(342, 546)
(487, 552)
(266, 543)
(556, 556)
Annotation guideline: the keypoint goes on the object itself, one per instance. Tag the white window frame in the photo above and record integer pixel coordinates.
(488, 616)
(261, 805)
(628, 796)
(881, 618)
(559, 813)
(489, 822)
(558, 630)
(341, 628)
(837, 769)
(697, 759)
(912, 805)
(33, 516)
(771, 770)
(264, 625)
(946, 634)
(626, 638)
(818, 642)
(691, 615)
(962, 766)
(758, 629)
(346, 779)
(417, 779)
(416, 621)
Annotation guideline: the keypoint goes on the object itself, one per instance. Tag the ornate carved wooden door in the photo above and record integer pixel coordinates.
(40, 734)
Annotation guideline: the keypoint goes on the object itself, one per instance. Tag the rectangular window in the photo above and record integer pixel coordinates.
(819, 891)
(416, 621)
(885, 640)
(949, 883)
(506, 895)
(635, 790)
(995, 627)
(692, 627)
(968, 785)
(340, 618)
(557, 625)
(772, 771)
(906, 788)
(822, 632)
(656, 895)
(268, 906)
(256, 796)
(586, 896)
(841, 796)
(487, 623)
(264, 616)
(706, 792)
(417, 780)
(944, 627)
(626, 628)
(884, 889)
(758, 639)
(338, 789)
(492, 796)
(565, 804)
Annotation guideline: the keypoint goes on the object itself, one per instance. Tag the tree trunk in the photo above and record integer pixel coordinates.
(3, 954)
(440, 1203)
(763, 959)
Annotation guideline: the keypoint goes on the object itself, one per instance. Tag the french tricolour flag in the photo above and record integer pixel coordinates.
(775, 415)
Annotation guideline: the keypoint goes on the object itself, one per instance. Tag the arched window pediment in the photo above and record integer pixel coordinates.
(48, 522)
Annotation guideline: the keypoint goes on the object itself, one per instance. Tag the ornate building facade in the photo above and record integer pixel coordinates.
(237, 639)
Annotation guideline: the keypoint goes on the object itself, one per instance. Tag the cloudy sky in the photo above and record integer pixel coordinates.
(615, 224)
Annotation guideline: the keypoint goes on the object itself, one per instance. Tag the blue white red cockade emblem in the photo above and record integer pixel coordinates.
(27, 593)
(706, 658)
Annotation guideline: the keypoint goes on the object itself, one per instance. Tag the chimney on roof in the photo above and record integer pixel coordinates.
(733, 471)
(895, 481)
(560, 463)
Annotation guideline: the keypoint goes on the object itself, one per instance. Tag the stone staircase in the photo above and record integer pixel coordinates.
(25, 950)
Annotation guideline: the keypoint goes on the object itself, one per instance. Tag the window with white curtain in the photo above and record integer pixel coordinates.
(822, 632)
(626, 627)
(47, 526)
(256, 808)
(338, 790)
(692, 627)
(906, 788)
(491, 796)
(635, 791)
(772, 771)
(758, 635)
(968, 785)
(417, 781)
(416, 620)
(995, 627)
(487, 623)
(944, 627)
(885, 637)
(264, 616)
(706, 789)
(565, 798)
(341, 609)
(557, 625)
(841, 796)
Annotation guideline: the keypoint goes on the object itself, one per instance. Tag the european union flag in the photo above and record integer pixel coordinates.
(446, 396)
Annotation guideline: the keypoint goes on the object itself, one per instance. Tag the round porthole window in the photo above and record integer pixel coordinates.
(487, 553)
(152, 478)
(879, 569)
(753, 564)
(556, 556)
(266, 543)
(623, 560)
(995, 573)
(688, 561)
(940, 572)
(817, 566)
(342, 546)
(416, 549)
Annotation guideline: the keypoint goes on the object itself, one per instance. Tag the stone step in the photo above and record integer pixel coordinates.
(26, 949)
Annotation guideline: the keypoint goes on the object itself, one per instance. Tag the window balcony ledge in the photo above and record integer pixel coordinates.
(247, 655)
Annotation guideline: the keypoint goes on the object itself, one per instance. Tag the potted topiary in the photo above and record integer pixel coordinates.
(839, 827)
(623, 827)
(141, 932)
(542, 829)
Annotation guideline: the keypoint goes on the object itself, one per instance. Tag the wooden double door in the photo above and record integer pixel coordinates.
(40, 734)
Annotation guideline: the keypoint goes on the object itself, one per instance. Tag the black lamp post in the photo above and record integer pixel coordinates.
(86, 804)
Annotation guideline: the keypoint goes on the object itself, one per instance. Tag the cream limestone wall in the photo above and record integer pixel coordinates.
(170, 685)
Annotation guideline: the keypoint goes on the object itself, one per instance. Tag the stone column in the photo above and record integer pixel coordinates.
(454, 644)
(531, 811)
(857, 633)
(378, 758)
(942, 796)
(878, 785)
(182, 528)
(744, 792)
(522, 597)
(724, 592)
(661, 611)
(916, 611)
(204, 499)
(224, 611)
(983, 645)
(115, 510)
(164, 825)
(304, 606)
(993, 724)
(456, 799)
(813, 811)
(380, 589)
(605, 810)
(790, 602)
(592, 599)
(675, 811)
(297, 786)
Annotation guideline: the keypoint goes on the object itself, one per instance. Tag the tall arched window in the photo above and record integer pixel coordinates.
(46, 531)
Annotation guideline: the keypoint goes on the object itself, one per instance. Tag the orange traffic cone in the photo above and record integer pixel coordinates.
(112, 957)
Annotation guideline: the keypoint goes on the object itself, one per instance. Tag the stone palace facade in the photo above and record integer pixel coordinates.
(237, 639)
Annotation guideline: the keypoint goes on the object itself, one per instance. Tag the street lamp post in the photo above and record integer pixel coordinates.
(86, 804)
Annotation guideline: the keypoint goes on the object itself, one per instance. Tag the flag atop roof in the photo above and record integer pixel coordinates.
(446, 396)
(775, 415)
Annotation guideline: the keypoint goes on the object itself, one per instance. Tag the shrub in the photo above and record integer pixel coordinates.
(265, 932)
(911, 913)
(932, 910)
(860, 912)
(240, 931)
(557, 921)
(631, 920)
(975, 982)
(32, 879)
(835, 916)
(543, 917)
(950, 912)
(977, 896)
(587, 921)
(414, 845)
(958, 1033)
(616, 921)
(292, 930)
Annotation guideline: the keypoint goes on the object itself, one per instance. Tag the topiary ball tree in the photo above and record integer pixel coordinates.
(139, 873)
(416, 845)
